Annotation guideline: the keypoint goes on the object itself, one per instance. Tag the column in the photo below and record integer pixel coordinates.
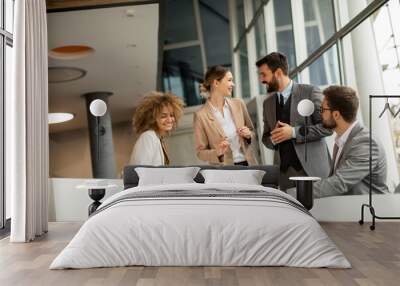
(101, 146)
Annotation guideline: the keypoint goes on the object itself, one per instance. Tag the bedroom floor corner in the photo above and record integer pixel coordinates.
(374, 255)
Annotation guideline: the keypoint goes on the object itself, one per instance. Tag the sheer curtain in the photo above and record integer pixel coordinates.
(26, 124)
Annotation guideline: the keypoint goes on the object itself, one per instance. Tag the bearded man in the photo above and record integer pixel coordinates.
(284, 129)
(350, 172)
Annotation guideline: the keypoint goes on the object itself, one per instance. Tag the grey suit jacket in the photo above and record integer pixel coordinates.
(351, 175)
(318, 159)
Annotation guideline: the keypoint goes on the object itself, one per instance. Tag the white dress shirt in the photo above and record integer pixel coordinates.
(227, 124)
(341, 140)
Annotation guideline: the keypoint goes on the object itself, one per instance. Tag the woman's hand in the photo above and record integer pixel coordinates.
(222, 147)
(244, 132)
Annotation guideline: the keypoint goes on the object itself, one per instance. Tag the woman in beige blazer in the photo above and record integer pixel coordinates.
(222, 127)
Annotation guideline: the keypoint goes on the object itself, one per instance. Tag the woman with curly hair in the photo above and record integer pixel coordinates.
(222, 127)
(155, 116)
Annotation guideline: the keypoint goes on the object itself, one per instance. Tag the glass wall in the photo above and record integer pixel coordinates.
(284, 30)
(196, 36)
(386, 25)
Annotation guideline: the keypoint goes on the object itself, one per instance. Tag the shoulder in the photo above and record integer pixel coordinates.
(148, 136)
(200, 112)
(305, 87)
(270, 96)
(236, 101)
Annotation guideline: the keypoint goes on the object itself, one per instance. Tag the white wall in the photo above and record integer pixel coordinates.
(68, 203)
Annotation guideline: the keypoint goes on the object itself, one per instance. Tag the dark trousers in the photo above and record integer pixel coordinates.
(243, 163)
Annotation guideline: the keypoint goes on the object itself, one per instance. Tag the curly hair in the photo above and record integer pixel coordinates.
(149, 109)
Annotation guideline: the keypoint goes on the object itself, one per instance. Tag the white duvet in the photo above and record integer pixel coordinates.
(200, 231)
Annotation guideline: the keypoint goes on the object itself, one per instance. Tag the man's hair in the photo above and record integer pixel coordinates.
(343, 99)
(274, 61)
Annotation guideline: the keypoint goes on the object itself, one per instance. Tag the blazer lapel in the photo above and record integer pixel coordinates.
(213, 121)
(294, 101)
(271, 112)
(356, 129)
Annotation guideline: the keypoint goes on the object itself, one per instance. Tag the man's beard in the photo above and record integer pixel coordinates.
(273, 86)
(329, 124)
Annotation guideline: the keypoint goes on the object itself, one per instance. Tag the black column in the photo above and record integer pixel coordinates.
(101, 147)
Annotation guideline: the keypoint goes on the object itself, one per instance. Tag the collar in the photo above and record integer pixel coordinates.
(341, 140)
(214, 109)
(288, 90)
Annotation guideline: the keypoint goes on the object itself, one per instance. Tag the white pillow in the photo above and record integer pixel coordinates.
(248, 177)
(164, 176)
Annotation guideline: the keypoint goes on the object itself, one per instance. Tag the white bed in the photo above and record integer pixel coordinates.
(259, 226)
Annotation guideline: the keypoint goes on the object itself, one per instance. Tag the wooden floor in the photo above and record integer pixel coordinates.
(374, 255)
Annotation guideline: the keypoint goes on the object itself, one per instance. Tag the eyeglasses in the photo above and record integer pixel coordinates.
(321, 109)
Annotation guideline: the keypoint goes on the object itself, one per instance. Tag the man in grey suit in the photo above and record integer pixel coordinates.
(284, 127)
(350, 173)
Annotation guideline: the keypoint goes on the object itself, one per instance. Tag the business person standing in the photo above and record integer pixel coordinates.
(222, 127)
(284, 127)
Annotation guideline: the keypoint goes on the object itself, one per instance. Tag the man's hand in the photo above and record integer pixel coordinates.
(281, 132)
(244, 132)
(222, 147)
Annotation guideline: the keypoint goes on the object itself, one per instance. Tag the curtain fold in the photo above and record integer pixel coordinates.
(27, 125)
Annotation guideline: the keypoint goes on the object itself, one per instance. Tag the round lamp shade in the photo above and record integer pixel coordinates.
(305, 107)
(98, 107)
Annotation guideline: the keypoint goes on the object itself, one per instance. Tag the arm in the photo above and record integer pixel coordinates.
(203, 151)
(266, 137)
(247, 122)
(351, 172)
(315, 129)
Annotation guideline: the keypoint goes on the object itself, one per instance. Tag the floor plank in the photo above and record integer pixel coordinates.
(374, 255)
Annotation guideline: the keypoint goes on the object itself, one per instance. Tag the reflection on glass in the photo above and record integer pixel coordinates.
(182, 28)
(182, 71)
(244, 70)
(215, 24)
(256, 5)
(261, 44)
(284, 30)
(325, 70)
(240, 17)
(9, 15)
(319, 22)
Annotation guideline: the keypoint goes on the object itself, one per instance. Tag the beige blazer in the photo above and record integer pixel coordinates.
(209, 133)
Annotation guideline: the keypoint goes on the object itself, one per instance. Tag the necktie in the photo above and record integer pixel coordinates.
(335, 151)
(281, 101)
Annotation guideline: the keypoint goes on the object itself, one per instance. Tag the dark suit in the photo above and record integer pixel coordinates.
(318, 159)
(351, 175)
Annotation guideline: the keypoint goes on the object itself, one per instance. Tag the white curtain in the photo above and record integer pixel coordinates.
(26, 123)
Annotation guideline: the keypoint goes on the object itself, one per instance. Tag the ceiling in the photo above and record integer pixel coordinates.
(125, 40)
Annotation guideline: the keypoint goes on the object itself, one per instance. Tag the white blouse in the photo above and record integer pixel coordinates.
(229, 127)
(147, 150)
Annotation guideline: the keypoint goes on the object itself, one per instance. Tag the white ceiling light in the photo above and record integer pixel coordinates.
(59, 117)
